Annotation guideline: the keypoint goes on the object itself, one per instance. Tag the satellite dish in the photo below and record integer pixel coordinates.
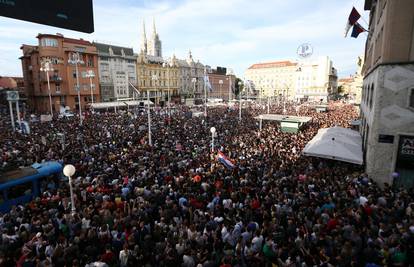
(305, 50)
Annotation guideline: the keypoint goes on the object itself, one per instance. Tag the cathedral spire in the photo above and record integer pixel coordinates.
(143, 38)
(153, 26)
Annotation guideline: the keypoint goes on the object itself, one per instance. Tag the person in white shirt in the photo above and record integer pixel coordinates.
(123, 256)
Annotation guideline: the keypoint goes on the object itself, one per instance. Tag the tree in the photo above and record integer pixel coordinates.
(238, 88)
(341, 89)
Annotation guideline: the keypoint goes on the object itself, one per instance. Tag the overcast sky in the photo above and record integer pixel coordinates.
(228, 33)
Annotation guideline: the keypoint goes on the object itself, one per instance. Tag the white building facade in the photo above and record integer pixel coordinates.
(316, 79)
(191, 77)
(313, 79)
(117, 68)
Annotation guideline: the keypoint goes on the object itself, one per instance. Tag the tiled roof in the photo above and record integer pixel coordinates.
(344, 80)
(104, 48)
(77, 41)
(7, 82)
(275, 64)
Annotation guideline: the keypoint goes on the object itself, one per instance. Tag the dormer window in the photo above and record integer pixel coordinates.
(48, 42)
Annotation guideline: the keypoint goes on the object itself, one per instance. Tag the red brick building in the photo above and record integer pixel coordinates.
(221, 84)
(57, 49)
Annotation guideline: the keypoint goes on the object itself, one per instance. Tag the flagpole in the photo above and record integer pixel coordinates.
(205, 93)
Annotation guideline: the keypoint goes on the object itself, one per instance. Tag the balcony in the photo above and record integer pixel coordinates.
(55, 78)
(52, 78)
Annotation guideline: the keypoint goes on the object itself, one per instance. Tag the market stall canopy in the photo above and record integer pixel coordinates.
(336, 143)
(288, 124)
(120, 103)
(281, 117)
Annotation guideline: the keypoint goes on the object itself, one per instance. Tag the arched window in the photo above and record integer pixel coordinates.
(371, 95)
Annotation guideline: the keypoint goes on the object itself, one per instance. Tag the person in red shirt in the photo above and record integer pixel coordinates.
(108, 257)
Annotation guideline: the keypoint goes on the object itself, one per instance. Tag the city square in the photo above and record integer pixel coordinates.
(116, 157)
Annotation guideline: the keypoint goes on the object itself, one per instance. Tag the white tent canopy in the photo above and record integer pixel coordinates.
(336, 143)
(120, 103)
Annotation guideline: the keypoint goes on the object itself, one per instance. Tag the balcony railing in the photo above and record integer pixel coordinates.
(55, 78)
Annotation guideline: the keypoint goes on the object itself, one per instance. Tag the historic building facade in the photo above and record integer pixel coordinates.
(222, 83)
(387, 104)
(117, 71)
(314, 79)
(191, 77)
(352, 85)
(57, 50)
(156, 75)
(273, 79)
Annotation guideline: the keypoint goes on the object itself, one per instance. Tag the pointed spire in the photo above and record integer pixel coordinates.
(143, 28)
(143, 38)
(153, 26)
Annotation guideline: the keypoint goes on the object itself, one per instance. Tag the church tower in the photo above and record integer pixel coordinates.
(143, 39)
(154, 44)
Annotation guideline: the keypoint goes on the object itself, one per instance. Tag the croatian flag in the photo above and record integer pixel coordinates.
(357, 29)
(352, 19)
(224, 160)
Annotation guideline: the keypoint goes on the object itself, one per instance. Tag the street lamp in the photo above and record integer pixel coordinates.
(168, 65)
(240, 103)
(260, 122)
(268, 104)
(46, 67)
(75, 59)
(229, 78)
(154, 78)
(69, 171)
(90, 74)
(213, 131)
(220, 84)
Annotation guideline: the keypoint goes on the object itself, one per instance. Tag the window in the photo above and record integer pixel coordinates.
(55, 60)
(90, 61)
(74, 74)
(20, 190)
(411, 97)
(63, 100)
(80, 49)
(49, 42)
(57, 88)
(371, 96)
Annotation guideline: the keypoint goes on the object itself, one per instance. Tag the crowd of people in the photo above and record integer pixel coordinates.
(174, 204)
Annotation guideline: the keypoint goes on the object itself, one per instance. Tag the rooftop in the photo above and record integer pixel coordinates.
(117, 50)
(275, 64)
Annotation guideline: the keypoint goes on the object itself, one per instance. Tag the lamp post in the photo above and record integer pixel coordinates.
(260, 122)
(268, 105)
(75, 59)
(220, 84)
(167, 65)
(240, 103)
(90, 74)
(213, 132)
(69, 171)
(46, 67)
(229, 87)
(154, 78)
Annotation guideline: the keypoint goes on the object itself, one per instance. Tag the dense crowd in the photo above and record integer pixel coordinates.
(174, 204)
